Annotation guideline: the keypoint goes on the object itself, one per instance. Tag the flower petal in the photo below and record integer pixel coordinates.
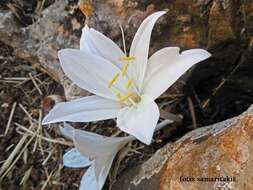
(95, 42)
(90, 108)
(139, 121)
(166, 66)
(74, 159)
(91, 72)
(89, 180)
(101, 149)
(94, 145)
(102, 168)
(140, 48)
(86, 43)
(67, 131)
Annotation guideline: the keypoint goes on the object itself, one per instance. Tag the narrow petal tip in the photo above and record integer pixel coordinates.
(46, 120)
(161, 12)
(62, 52)
(204, 54)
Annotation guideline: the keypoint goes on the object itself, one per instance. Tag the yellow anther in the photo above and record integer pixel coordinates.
(127, 58)
(118, 94)
(124, 69)
(129, 83)
(124, 98)
(114, 79)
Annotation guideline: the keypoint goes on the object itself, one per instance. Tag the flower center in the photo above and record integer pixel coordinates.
(129, 97)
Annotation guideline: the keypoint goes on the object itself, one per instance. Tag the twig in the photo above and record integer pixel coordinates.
(48, 178)
(35, 84)
(42, 137)
(170, 116)
(17, 158)
(13, 154)
(38, 131)
(222, 82)
(16, 78)
(26, 176)
(27, 113)
(163, 124)
(10, 119)
(49, 155)
(192, 111)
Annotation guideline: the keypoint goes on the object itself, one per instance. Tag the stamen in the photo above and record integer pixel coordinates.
(127, 58)
(124, 98)
(129, 83)
(114, 79)
(124, 69)
(118, 94)
(133, 102)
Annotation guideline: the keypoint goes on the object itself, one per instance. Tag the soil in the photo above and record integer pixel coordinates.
(26, 94)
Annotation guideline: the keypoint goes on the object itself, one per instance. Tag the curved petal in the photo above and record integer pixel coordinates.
(91, 72)
(102, 150)
(90, 108)
(139, 121)
(140, 48)
(74, 159)
(94, 145)
(160, 58)
(89, 180)
(92, 180)
(95, 42)
(86, 43)
(67, 131)
(102, 168)
(166, 66)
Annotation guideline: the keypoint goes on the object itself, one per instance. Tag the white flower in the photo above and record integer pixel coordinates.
(95, 151)
(125, 85)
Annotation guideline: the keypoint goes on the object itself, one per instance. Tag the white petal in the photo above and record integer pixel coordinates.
(160, 59)
(91, 72)
(166, 66)
(89, 181)
(140, 48)
(139, 121)
(90, 108)
(74, 159)
(94, 145)
(86, 43)
(95, 42)
(67, 131)
(102, 168)
(102, 149)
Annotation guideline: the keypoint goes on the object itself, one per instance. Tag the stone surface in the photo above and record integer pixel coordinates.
(220, 150)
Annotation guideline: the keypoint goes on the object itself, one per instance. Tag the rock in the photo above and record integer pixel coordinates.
(222, 150)
(220, 27)
(40, 41)
(247, 10)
